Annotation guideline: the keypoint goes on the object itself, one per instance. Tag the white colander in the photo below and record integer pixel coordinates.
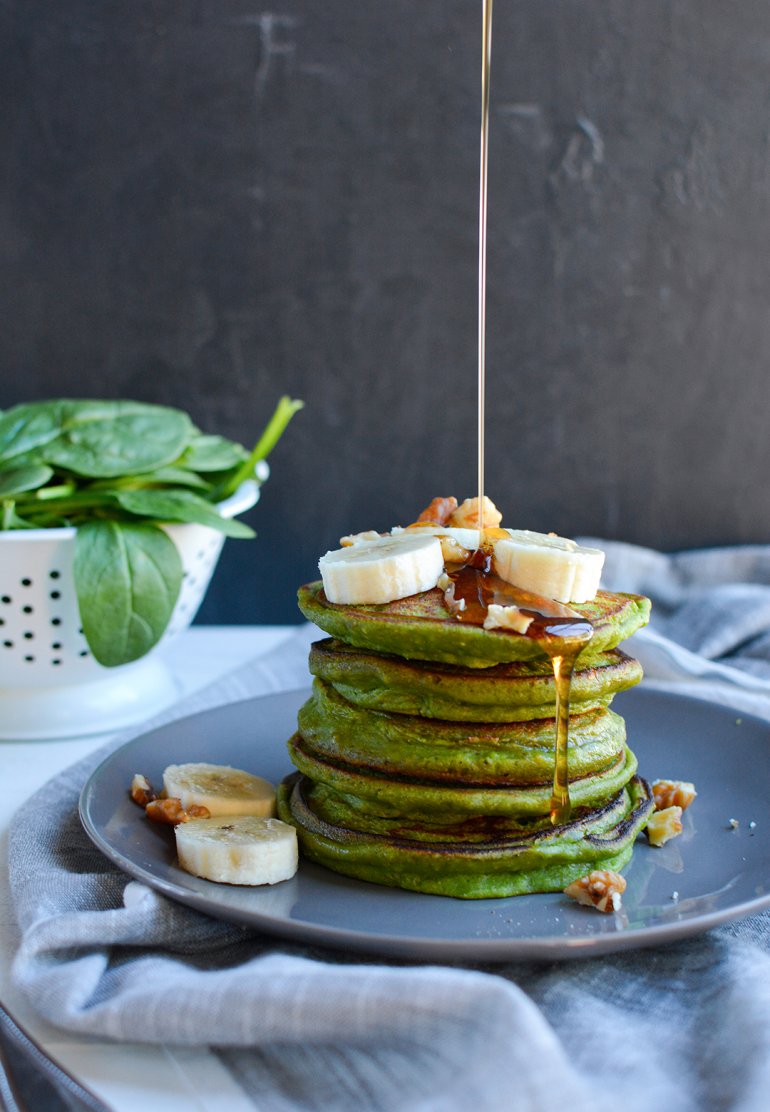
(50, 684)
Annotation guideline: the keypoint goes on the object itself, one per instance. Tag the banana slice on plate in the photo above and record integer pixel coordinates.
(220, 788)
(383, 570)
(548, 565)
(238, 849)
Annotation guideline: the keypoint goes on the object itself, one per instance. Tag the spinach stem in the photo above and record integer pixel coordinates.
(274, 430)
(63, 505)
(60, 491)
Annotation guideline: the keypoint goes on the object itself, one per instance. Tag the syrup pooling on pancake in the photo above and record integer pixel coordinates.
(561, 632)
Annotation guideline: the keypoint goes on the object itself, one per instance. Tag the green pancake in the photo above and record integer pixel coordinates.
(366, 817)
(425, 798)
(500, 693)
(545, 861)
(478, 754)
(420, 628)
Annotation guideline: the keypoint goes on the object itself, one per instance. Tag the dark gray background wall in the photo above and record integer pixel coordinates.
(211, 203)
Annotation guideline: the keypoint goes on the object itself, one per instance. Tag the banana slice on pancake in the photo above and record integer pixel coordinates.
(383, 570)
(223, 790)
(549, 565)
(238, 849)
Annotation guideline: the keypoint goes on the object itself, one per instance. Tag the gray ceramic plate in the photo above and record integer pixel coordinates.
(713, 873)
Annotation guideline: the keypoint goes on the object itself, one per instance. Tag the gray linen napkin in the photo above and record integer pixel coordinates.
(687, 1026)
(710, 631)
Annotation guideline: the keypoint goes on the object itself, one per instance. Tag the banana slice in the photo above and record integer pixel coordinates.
(467, 538)
(382, 570)
(220, 788)
(241, 849)
(547, 565)
(456, 543)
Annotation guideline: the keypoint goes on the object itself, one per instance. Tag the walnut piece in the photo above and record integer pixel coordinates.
(438, 512)
(467, 515)
(141, 790)
(673, 793)
(507, 617)
(664, 825)
(601, 889)
(198, 811)
(452, 551)
(171, 812)
(447, 585)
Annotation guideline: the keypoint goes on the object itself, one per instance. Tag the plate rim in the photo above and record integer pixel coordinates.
(415, 946)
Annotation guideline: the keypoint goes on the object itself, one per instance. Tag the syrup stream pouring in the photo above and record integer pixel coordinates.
(561, 632)
(486, 63)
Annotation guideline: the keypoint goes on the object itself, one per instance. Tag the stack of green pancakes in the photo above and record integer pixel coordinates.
(425, 753)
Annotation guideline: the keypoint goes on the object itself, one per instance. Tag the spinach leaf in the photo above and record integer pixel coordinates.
(173, 476)
(213, 453)
(127, 579)
(104, 439)
(179, 505)
(161, 476)
(20, 479)
(25, 429)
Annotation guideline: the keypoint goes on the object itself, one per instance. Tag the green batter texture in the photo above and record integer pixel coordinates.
(425, 753)
(500, 693)
(421, 628)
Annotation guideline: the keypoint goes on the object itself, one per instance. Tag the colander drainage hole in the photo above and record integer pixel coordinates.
(6, 599)
(28, 635)
(8, 644)
(30, 659)
(55, 621)
(26, 582)
(55, 594)
(27, 610)
(54, 574)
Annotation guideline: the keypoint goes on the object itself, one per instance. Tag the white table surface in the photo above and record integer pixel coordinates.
(126, 1076)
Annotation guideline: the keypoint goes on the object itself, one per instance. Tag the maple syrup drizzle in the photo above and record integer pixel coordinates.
(560, 632)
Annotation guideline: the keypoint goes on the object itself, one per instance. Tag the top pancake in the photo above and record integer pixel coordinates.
(421, 628)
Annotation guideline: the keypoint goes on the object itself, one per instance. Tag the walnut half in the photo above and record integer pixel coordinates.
(673, 793)
(601, 889)
(171, 812)
(438, 512)
(468, 516)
